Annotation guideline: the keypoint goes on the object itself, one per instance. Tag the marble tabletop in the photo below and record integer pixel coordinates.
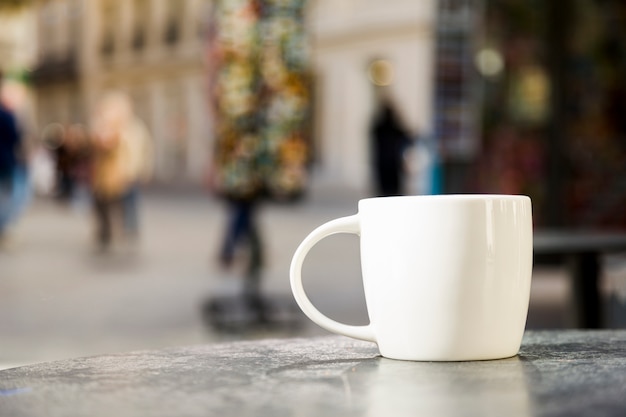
(557, 373)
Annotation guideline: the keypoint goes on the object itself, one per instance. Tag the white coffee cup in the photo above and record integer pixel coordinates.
(446, 278)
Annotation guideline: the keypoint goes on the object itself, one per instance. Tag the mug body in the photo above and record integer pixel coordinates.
(447, 277)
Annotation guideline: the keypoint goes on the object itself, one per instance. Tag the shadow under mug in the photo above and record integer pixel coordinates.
(446, 277)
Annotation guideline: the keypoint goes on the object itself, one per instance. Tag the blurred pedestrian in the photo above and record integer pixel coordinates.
(80, 158)
(258, 72)
(12, 167)
(45, 166)
(140, 167)
(122, 159)
(390, 139)
(72, 156)
(237, 179)
(63, 158)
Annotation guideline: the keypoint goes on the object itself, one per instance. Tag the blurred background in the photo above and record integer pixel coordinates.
(283, 97)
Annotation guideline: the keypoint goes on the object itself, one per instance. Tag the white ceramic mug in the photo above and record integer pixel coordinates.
(446, 278)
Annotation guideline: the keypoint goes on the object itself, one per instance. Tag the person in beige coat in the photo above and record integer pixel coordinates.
(122, 160)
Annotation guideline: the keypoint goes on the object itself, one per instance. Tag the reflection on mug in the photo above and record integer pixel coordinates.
(485, 388)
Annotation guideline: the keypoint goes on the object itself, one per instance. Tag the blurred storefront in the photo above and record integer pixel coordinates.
(545, 81)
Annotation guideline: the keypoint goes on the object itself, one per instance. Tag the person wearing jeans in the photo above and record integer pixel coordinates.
(9, 147)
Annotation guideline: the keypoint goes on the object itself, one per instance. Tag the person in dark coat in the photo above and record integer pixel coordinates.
(389, 141)
(9, 148)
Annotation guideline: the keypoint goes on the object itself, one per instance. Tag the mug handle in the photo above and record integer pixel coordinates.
(349, 224)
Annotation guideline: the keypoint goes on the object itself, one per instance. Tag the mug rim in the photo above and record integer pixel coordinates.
(450, 197)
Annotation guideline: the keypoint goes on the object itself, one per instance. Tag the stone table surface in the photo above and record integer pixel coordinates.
(557, 373)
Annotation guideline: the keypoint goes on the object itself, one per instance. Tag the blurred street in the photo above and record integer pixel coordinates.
(59, 298)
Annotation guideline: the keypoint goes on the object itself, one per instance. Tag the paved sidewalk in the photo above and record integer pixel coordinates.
(61, 299)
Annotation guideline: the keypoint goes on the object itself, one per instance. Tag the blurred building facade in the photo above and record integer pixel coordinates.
(17, 40)
(155, 51)
(347, 36)
(519, 97)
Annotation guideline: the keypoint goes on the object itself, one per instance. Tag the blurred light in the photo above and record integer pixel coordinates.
(489, 62)
(380, 72)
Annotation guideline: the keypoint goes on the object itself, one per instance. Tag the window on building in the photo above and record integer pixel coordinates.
(141, 13)
(46, 31)
(107, 40)
(75, 15)
(173, 22)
